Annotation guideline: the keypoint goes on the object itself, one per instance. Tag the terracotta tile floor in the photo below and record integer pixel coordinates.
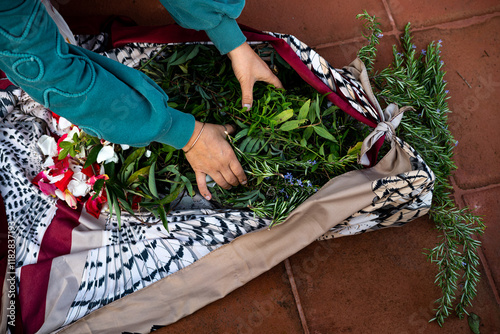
(378, 282)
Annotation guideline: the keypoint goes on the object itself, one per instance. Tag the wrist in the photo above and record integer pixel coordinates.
(198, 128)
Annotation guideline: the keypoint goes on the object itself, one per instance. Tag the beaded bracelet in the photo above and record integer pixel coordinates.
(196, 140)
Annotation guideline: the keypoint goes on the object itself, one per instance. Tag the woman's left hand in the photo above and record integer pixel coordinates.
(249, 68)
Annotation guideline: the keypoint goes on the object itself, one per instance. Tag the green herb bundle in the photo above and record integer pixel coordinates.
(417, 79)
(291, 142)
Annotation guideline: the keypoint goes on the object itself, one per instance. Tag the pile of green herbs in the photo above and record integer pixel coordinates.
(290, 144)
(416, 78)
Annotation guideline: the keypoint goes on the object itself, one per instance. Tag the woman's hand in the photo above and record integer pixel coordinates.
(213, 155)
(248, 68)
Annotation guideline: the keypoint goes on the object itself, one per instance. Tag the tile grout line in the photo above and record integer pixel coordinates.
(457, 24)
(473, 190)
(296, 296)
(391, 18)
(489, 276)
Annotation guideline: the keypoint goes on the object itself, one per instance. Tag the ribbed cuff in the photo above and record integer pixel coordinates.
(227, 36)
(180, 131)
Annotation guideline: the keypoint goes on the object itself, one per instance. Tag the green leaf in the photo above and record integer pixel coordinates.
(163, 216)
(188, 185)
(292, 125)
(283, 116)
(110, 197)
(92, 157)
(152, 182)
(321, 131)
(97, 187)
(241, 134)
(135, 155)
(172, 196)
(141, 172)
(63, 154)
(354, 150)
(304, 110)
(118, 214)
(65, 144)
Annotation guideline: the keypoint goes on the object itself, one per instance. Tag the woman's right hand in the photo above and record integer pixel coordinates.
(213, 155)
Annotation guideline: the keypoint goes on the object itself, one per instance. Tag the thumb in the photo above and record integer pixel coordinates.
(247, 94)
(273, 80)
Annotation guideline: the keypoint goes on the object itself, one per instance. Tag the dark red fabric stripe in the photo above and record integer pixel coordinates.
(35, 277)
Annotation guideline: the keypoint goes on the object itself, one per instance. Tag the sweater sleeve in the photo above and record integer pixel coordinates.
(216, 17)
(101, 96)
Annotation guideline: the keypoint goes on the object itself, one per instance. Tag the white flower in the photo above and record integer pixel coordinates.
(107, 154)
(78, 188)
(48, 145)
(148, 153)
(124, 147)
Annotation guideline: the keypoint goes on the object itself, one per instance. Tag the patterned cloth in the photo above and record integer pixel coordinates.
(70, 264)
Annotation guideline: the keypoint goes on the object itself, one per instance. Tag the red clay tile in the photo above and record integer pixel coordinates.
(264, 305)
(473, 53)
(378, 282)
(318, 22)
(324, 22)
(430, 12)
(487, 204)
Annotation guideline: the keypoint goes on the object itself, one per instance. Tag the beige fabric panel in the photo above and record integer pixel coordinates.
(61, 292)
(233, 265)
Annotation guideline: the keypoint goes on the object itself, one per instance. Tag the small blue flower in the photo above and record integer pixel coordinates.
(413, 46)
(456, 143)
(312, 162)
(444, 80)
(438, 110)
(299, 183)
(380, 35)
(400, 54)
(288, 176)
(423, 52)
(446, 91)
(440, 41)
(442, 62)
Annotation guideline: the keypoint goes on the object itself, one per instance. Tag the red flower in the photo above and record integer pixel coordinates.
(94, 206)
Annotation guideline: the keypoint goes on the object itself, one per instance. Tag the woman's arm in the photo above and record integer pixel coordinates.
(102, 96)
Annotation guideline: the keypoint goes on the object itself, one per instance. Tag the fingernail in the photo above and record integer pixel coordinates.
(207, 198)
(248, 106)
(244, 182)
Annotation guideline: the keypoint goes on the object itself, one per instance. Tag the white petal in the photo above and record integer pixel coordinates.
(48, 145)
(54, 179)
(124, 147)
(64, 123)
(60, 194)
(71, 133)
(114, 158)
(78, 188)
(48, 162)
(148, 153)
(79, 176)
(107, 152)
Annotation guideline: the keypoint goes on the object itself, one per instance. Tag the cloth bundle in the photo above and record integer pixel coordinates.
(80, 274)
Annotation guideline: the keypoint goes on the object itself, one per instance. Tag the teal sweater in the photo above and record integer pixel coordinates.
(101, 96)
